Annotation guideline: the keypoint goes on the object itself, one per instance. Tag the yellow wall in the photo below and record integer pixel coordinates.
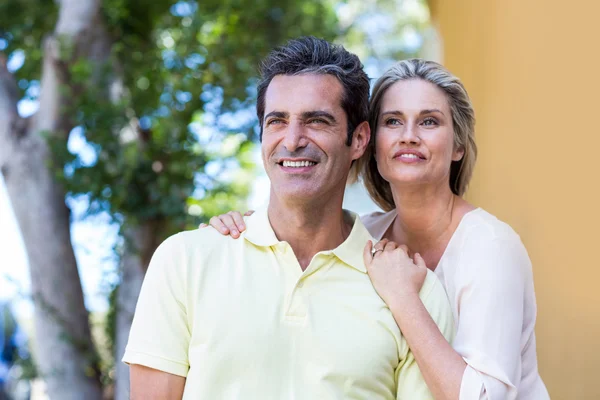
(532, 69)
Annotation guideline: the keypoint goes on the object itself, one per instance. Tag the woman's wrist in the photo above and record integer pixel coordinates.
(403, 300)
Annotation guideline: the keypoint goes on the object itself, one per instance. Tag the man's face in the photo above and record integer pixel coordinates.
(304, 138)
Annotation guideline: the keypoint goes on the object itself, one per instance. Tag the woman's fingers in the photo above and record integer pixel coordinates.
(381, 244)
(405, 249)
(238, 219)
(378, 247)
(419, 261)
(231, 223)
(390, 246)
(216, 223)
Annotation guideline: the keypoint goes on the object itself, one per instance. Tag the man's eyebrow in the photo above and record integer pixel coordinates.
(423, 112)
(318, 114)
(277, 114)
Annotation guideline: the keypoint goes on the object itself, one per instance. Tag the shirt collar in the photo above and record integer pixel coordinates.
(260, 233)
(258, 229)
(351, 250)
(380, 224)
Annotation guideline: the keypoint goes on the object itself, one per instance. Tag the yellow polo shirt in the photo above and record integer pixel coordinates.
(241, 320)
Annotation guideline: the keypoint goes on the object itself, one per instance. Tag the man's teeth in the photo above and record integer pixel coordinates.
(409, 156)
(298, 164)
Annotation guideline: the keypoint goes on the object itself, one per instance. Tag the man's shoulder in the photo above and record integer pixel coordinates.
(207, 235)
(201, 242)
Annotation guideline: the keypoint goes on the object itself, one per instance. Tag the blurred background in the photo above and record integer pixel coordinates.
(139, 117)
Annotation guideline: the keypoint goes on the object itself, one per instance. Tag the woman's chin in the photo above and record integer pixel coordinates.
(407, 180)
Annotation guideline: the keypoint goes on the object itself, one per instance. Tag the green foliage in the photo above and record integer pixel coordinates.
(188, 70)
(381, 32)
(176, 145)
(23, 25)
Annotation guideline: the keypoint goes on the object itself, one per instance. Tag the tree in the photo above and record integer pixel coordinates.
(161, 91)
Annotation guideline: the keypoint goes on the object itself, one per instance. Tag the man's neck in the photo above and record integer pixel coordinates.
(308, 228)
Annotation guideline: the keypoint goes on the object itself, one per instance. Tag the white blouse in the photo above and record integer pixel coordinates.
(487, 275)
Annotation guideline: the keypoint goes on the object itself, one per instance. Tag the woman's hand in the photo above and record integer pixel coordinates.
(231, 223)
(393, 272)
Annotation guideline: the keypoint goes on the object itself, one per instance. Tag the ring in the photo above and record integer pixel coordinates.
(374, 251)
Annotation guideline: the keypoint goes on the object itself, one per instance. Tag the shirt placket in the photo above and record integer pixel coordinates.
(296, 307)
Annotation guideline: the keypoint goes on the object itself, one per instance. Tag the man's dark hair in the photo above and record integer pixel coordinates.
(310, 55)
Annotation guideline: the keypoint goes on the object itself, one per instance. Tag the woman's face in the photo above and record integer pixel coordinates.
(415, 136)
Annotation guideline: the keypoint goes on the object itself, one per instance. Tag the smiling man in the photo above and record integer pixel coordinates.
(288, 311)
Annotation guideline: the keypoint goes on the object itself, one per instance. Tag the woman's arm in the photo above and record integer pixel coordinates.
(441, 366)
(399, 281)
(485, 359)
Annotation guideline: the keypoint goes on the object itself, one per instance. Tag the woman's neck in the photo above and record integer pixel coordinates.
(427, 219)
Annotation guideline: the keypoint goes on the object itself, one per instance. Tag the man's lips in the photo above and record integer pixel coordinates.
(296, 163)
(297, 166)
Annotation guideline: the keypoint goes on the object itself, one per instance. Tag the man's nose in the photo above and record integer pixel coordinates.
(294, 137)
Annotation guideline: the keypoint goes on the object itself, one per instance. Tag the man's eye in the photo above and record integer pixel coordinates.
(274, 122)
(429, 122)
(317, 121)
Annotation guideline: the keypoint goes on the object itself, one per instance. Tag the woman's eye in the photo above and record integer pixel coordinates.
(393, 121)
(429, 122)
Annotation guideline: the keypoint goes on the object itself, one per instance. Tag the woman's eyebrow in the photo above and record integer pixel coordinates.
(426, 111)
(400, 113)
(431, 111)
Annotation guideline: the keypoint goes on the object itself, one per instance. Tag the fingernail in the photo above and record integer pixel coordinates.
(234, 232)
(242, 226)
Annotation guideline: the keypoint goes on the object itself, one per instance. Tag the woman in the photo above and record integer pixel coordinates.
(417, 168)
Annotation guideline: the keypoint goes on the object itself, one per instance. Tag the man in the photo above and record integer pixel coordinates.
(288, 312)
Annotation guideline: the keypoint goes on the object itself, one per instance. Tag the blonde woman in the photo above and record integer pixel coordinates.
(417, 168)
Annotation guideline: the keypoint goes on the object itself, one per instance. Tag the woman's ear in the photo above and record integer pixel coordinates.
(458, 153)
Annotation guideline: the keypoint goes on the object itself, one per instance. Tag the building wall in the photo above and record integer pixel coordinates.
(532, 69)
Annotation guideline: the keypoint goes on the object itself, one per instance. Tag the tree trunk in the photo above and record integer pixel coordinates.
(66, 357)
(140, 243)
(65, 354)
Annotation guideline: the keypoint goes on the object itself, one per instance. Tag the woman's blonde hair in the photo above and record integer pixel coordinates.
(463, 123)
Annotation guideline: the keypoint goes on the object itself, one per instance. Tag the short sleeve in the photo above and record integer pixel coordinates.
(160, 334)
(411, 384)
(491, 283)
